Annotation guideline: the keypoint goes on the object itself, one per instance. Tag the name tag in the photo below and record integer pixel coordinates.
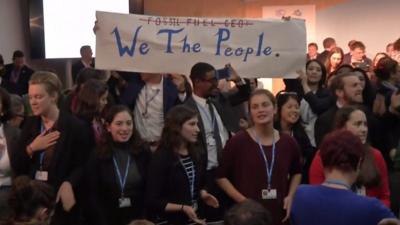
(41, 175)
(269, 194)
(195, 206)
(210, 140)
(124, 202)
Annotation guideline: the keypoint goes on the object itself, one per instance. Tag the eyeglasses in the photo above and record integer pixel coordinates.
(287, 93)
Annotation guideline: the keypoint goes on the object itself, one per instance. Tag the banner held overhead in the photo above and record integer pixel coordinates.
(255, 48)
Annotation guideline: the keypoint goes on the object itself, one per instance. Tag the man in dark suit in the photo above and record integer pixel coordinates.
(347, 89)
(356, 57)
(214, 123)
(312, 51)
(328, 43)
(17, 75)
(85, 61)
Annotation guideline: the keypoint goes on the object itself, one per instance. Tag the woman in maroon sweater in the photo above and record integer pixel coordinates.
(373, 176)
(260, 163)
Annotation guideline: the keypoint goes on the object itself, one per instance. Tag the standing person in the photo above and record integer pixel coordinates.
(312, 52)
(333, 61)
(150, 97)
(273, 159)
(215, 124)
(116, 172)
(86, 61)
(53, 146)
(333, 203)
(8, 142)
(288, 121)
(175, 180)
(373, 178)
(91, 101)
(315, 97)
(17, 74)
(329, 43)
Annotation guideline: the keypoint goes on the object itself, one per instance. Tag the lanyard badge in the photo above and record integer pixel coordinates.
(268, 194)
(123, 201)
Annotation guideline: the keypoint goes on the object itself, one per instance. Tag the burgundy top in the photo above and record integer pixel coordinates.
(244, 166)
(380, 192)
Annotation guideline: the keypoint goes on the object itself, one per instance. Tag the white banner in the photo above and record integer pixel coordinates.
(255, 48)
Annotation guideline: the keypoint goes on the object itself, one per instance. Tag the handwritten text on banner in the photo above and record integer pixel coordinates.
(255, 48)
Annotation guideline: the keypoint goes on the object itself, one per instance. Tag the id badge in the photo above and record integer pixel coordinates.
(41, 175)
(269, 194)
(124, 202)
(361, 191)
(195, 206)
(210, 140)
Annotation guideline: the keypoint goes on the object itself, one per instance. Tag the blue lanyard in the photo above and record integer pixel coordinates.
(41, 155)
(122, 182)
(338, 182)
(269, 169)
(191, 181)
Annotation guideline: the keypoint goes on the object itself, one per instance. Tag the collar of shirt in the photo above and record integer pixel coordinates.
(158, 86)
(85, 64)
(199, 100)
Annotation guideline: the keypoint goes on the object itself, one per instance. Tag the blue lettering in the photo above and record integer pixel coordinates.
(221, 38)
(260, 42)
(196, 47)
(169, 32)
(122, 50)
(144, 48)
(228, 51)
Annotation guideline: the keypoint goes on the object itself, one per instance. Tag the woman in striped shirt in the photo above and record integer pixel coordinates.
(175, 183)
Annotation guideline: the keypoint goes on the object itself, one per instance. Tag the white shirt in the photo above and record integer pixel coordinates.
(5, 168)
(205, 114)
(149, 112)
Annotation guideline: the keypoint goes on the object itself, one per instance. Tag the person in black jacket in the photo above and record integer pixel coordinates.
(175, 178)
(314, 97)
(116, 172)
(53, 146)
(288, 121)
(17, 74)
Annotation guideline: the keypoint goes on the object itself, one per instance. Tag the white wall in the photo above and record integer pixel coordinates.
(374, 22)
(12, 29)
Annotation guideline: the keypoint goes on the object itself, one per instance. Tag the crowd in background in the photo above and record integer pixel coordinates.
(141, 148)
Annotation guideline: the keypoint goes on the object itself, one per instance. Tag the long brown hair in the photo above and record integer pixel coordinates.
(88, 101)
(369, 175)
(171, 137)
(105, 151)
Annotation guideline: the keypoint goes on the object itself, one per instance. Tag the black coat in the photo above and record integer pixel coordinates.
(103, 191)
(168, 183)
(70, 155)
(21, 87)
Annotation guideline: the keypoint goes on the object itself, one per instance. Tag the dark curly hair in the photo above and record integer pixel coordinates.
(137, 145)
(27, 196)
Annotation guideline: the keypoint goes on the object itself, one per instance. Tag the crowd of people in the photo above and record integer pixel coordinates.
(127, 148)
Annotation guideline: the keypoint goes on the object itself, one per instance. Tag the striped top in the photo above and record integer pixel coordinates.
(188, 166)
